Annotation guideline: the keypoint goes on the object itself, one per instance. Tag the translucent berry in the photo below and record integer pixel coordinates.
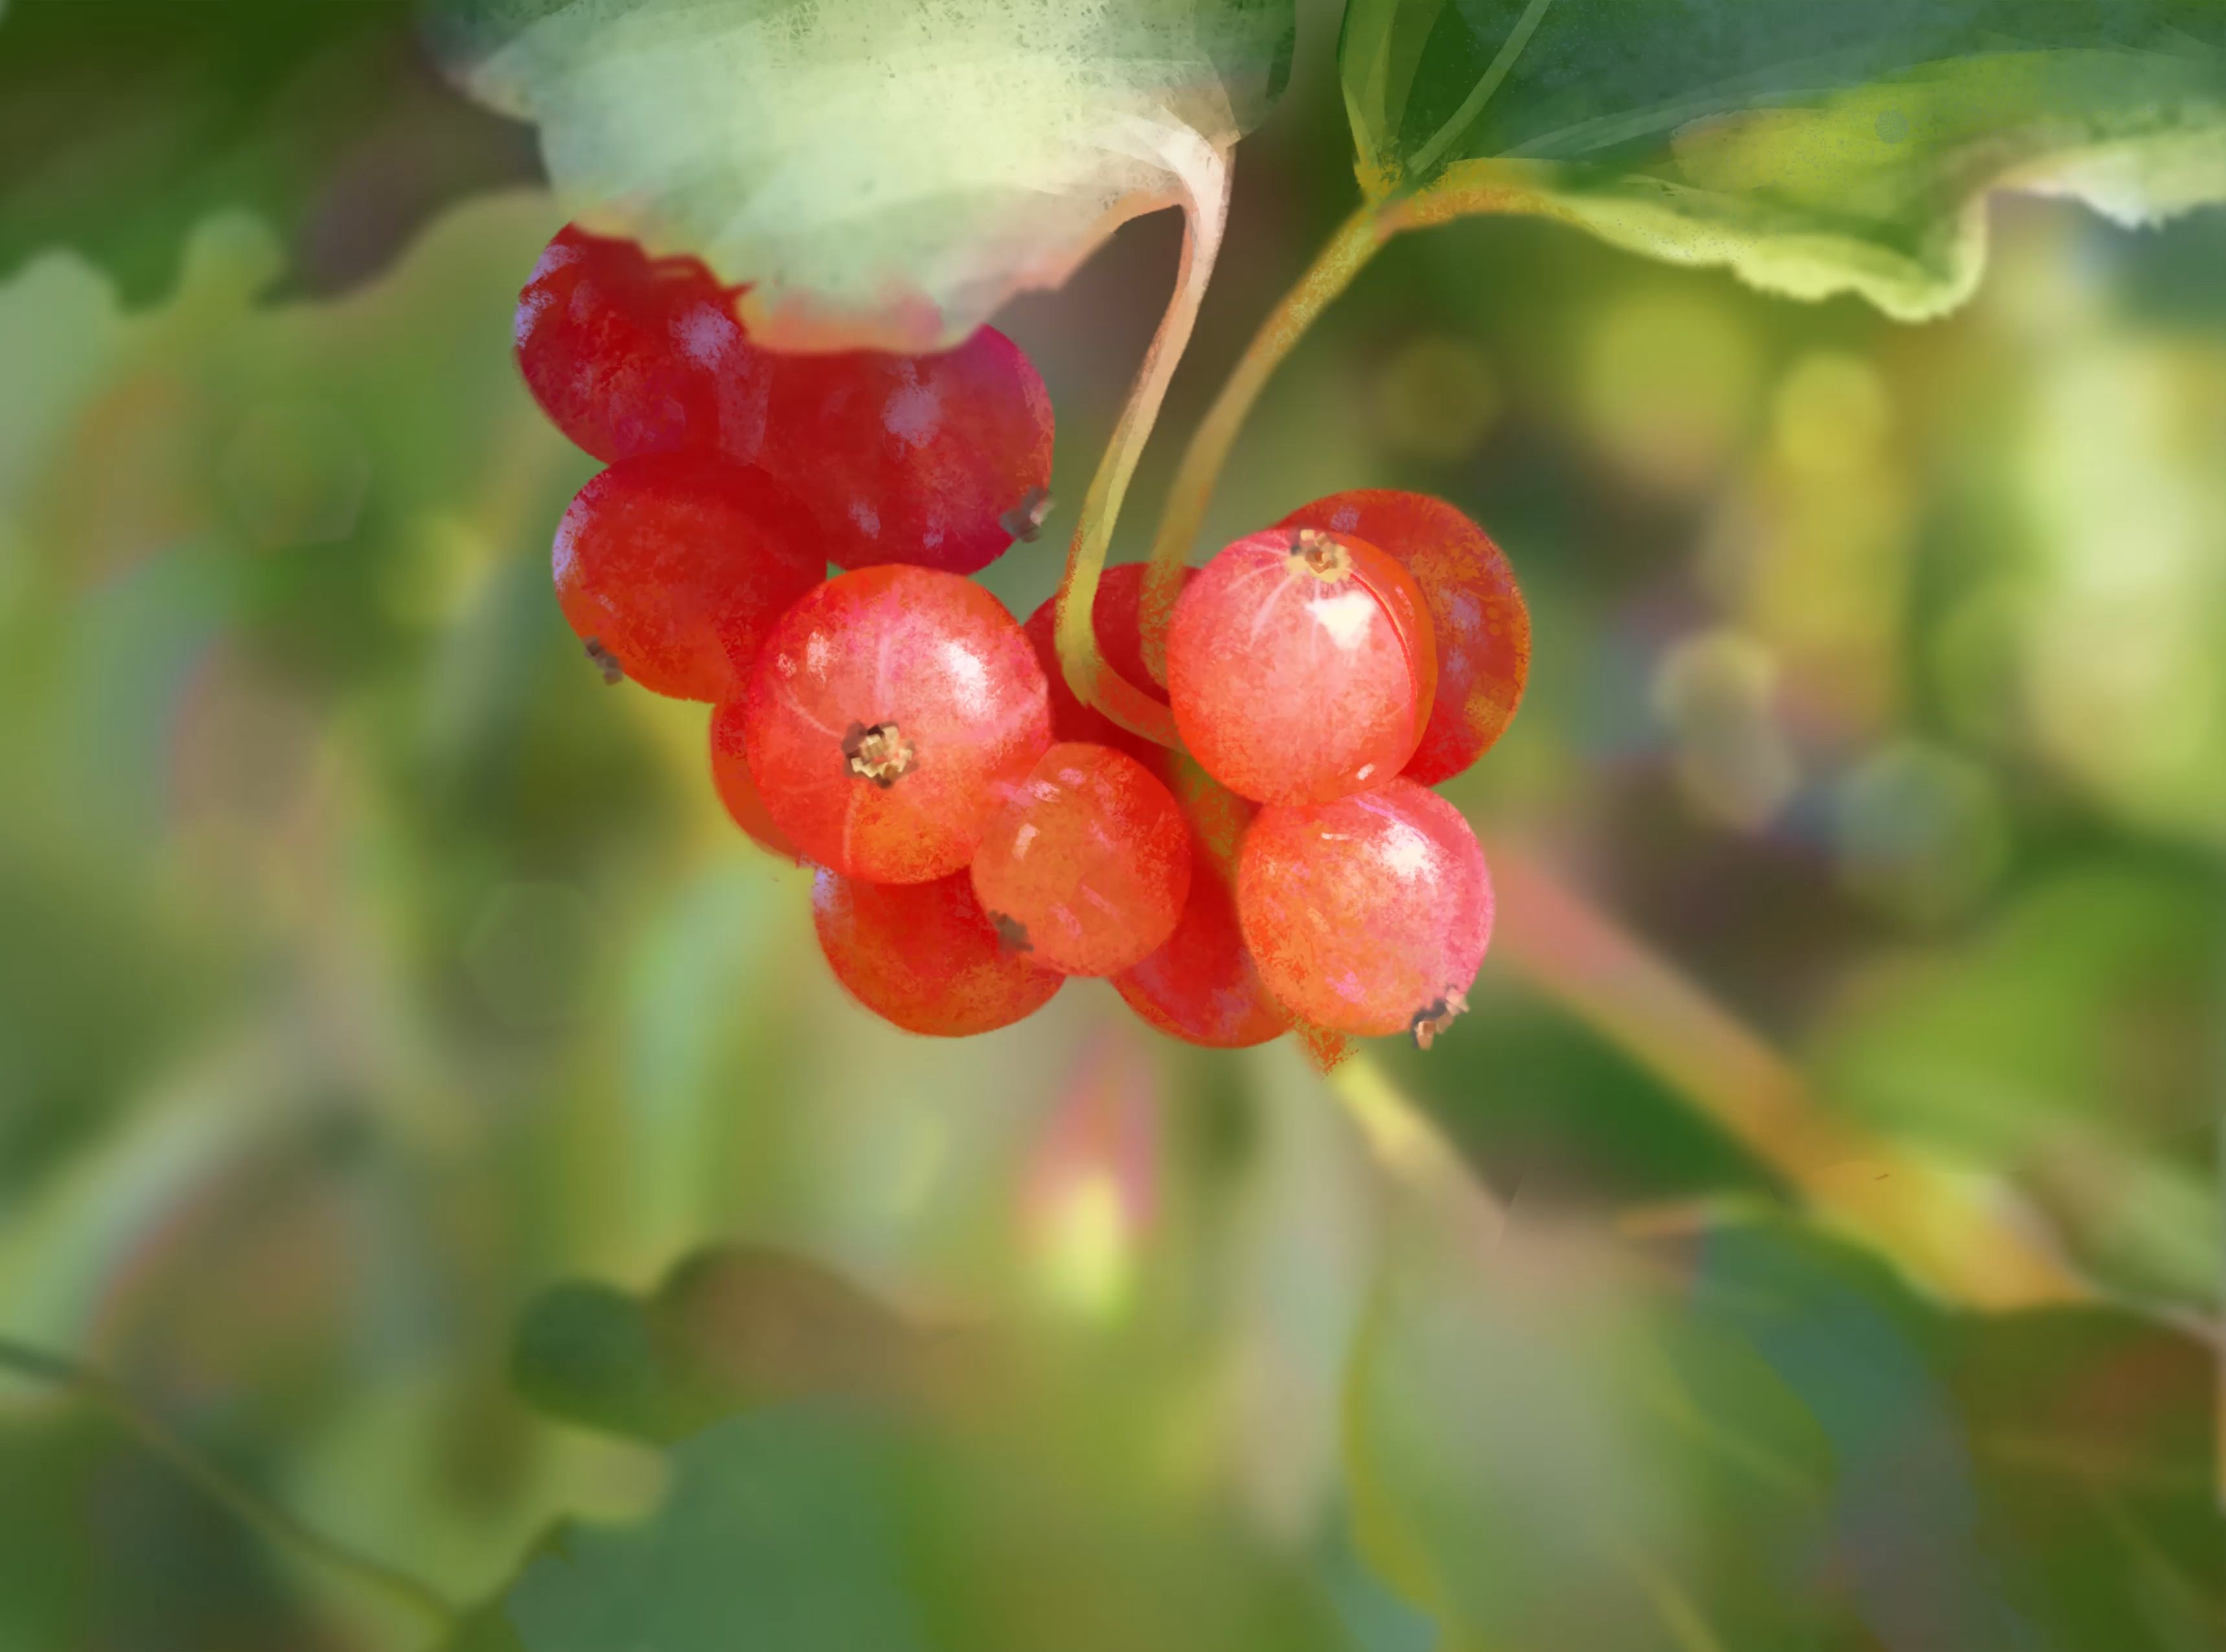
(1086, 862)
(730, 774)
(658, 559)
(1300, 666)
(924, 956)
(938, 461)
(1368, 914)
(1201, 985)
(629, 355)
(1477, 617)
(886, 710)
(1120, 645)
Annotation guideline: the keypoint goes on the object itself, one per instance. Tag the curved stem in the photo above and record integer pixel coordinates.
(1331, 273)
(281, 1528)
(1205, 171)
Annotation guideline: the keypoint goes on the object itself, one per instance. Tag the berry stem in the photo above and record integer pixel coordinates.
(282, 1529)
(1205, 172)
(1461, 192)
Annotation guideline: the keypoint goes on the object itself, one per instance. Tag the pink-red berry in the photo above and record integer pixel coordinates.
(924, 956)
(1368, 914)
(1300, 666)
(887, 708)
(939, 461)
(630, 355)
(730, 776)
(1477, 617)
(667, 565)
(1085, 863)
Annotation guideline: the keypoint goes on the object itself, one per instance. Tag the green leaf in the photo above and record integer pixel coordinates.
(878, 174)
(1813, 148)
(728, 1330)
(824, 1527)
(124, 124)
(1773, 1443)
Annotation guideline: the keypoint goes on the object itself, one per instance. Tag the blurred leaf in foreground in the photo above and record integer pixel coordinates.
(1815, 149)
(879, 176)
(124, 124)
(1559, 1447)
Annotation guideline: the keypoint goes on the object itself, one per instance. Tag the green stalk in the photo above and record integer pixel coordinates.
(1206, 171)
(282, 1529)
(1330, 274)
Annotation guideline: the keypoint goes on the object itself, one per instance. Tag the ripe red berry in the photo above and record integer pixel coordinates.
(886, 708)
(1086, 862)
(1201, 986)
(629, 355)
(730, 775)
(1477, 617)
(938, 461)
(1301, 667)
(1368, 914)
(1114, 615)
(924, 956)
(660, 557)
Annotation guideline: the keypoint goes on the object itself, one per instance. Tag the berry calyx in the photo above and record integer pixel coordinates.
(730, 777)
(1368, 914)
(1300, 666)
(924, 956)
(1085, 863)
(669, 567)
(629, 355)
(941, 460)
(887, 708)
(1477, 617)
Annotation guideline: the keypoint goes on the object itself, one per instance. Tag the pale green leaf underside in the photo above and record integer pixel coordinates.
(1813, 149)
(878, 171)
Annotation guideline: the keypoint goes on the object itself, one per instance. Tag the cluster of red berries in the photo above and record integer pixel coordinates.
(979, 833)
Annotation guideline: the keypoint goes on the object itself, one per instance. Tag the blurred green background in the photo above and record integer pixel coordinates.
(368, 966)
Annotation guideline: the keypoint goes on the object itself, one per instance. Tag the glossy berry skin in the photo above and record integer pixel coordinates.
(1300, 667)
(1085, 864)
(1201, 986)
(1477, 617)
(924, 956)
(629, 355)
(935, 461)
(886, 709)
(1368, 915)
(667, 564)
(730, 776)
(1115, 616)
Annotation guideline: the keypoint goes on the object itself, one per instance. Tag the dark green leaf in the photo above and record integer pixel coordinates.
(878, 174)
(1815, 149)
(125, 122)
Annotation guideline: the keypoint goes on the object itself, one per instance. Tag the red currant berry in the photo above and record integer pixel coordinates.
(887, 708)
(668, 564)
(924, 956)
(628, 355)
(938, 461)
(1477, 617)
(1114, 615)
(1300, 666)
(730, 775)
(1086, 862)
(1202, 986)
(1368, 914)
